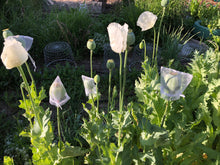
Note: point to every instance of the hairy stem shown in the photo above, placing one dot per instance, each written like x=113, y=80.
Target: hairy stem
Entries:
x=32, y=79
x=91, y=63
x=29, y=93
x=109, y=88
x=158, y=35
x=58, y=127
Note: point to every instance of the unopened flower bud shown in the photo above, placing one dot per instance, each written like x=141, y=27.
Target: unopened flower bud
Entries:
x=91, y=44
x=164, y=3
x=58, y=95
x=110, y=64
x=172, y=81
x=130, y=37
x=97, y=79
x=141, y=45
x=114, y=93
x=6, y=33
x=89, y=85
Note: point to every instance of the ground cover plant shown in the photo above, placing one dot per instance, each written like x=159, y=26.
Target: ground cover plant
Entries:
x=174, y=118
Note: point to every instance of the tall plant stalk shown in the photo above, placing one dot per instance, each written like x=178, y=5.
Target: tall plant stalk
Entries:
x=91, y=63
x=122, y=95
x=120, y=79
x=58, y=128
x=109, y=88
x=97, y=91
x=20, y=69
x=158, y=35
x=32, y=79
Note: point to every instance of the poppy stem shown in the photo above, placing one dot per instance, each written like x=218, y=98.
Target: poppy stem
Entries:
x=32, y=79
x=164, y=115
x=58, y=127
x=109, y=89
x=158, y=35
x=91, y=63
x=29, y=93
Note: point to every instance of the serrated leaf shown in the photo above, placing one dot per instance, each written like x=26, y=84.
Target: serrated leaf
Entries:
x=71, y=151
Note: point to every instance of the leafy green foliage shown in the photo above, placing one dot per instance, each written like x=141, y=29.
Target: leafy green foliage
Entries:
x=192, y=123
x=8, y=160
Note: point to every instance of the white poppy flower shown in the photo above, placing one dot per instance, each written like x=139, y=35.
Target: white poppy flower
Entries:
x=89, y=85
x=173, y=83
x=146, y=20
x=58, y=95
x=13, y=54
x=118, y=36
x=25, y=40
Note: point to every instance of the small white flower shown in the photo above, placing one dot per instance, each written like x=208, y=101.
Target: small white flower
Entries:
x=146, y=20
x=173, y=83
x=13, y=54
x=58, y=95
x=89, y=85
x=118, y=36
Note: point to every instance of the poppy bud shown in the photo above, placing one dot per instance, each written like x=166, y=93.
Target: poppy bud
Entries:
x=110, y=64
x=97, y=79
x=89, y=85
x=130, y=37
x=164, y=3
x=58, y=95
x=141, y=45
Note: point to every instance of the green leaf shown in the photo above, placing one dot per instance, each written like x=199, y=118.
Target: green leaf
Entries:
x=71, y=151
x=25, y=134
x=8, y=160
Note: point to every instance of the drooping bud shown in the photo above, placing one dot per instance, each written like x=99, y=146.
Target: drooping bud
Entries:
x=97, y=79
x=164, y=3
x=114, y=92
x=6, y=33
x=91, y=45
x=130, y=37
x=110, y=64
x=141, y=45
x=58, y=95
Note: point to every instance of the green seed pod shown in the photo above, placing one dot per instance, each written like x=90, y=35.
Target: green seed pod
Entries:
x=91, y=44
x=164, y=3
x=141, y=45
x=130, y=37
x=172, y=82
x=97, y=79
x=110, y=64
x=6, y=33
